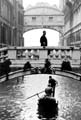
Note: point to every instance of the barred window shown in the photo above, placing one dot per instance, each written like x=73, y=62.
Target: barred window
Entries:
x=50, y=18
x=33, y=18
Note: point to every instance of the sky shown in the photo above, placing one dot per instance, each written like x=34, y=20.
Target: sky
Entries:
x=32, y=38
x=33, y=2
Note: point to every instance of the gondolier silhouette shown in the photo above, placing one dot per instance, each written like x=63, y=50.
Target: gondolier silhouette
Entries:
x=52, y=83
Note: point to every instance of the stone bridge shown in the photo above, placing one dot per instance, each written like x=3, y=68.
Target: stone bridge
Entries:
x=42, y=15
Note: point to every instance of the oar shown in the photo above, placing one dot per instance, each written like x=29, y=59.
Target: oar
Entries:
x=37, y=94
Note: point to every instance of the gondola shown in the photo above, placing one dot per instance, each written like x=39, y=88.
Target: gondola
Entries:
x=47, y=106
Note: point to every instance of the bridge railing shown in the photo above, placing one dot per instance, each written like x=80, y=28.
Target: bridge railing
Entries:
x=37, y=55
x=20, y=73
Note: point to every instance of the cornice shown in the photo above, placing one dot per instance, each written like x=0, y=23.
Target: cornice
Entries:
x=42, y=7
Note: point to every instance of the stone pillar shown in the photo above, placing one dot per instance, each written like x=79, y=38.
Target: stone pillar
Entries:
x=12, y=53
x=42, y=54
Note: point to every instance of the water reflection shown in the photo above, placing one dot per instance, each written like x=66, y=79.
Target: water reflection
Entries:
x=15, y=106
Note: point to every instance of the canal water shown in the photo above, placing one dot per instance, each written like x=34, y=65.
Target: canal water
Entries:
x=14, y=104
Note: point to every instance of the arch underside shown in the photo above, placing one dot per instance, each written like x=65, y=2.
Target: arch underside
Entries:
x=56, y=28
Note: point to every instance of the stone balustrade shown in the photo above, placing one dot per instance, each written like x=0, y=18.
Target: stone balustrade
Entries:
x=37, y=55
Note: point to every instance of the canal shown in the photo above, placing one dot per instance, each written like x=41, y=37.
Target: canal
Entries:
x=14, y=104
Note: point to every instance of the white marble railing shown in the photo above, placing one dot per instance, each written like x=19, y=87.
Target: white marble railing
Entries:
x=37, y=55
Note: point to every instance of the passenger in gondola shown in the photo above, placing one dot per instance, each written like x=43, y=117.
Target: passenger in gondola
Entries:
x=48, y=92
x=52, y=83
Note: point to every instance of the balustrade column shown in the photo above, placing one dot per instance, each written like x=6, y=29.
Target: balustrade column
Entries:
x=12, y=53
x=43, y=54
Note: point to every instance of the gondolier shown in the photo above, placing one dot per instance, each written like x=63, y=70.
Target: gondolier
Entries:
x=52, y=83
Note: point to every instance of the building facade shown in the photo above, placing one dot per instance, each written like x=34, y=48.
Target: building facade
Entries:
x=9, y=23
x=19, y=22
x=72, y=29
x=61, y=4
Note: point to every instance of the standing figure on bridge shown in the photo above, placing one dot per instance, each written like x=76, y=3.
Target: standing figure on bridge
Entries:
x=43, y=39
x=52, y=83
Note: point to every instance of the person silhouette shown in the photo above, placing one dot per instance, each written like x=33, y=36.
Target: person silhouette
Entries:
x=52, y=83
x=47, y=66
x=43, y=39
x=27, y=66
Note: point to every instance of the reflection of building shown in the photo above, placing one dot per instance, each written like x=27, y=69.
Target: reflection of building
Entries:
x=8, y=22
x=72, y=29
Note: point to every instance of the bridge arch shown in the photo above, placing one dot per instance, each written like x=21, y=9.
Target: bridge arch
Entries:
x=57, y=29
x=42, y=15
x=32, y=37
